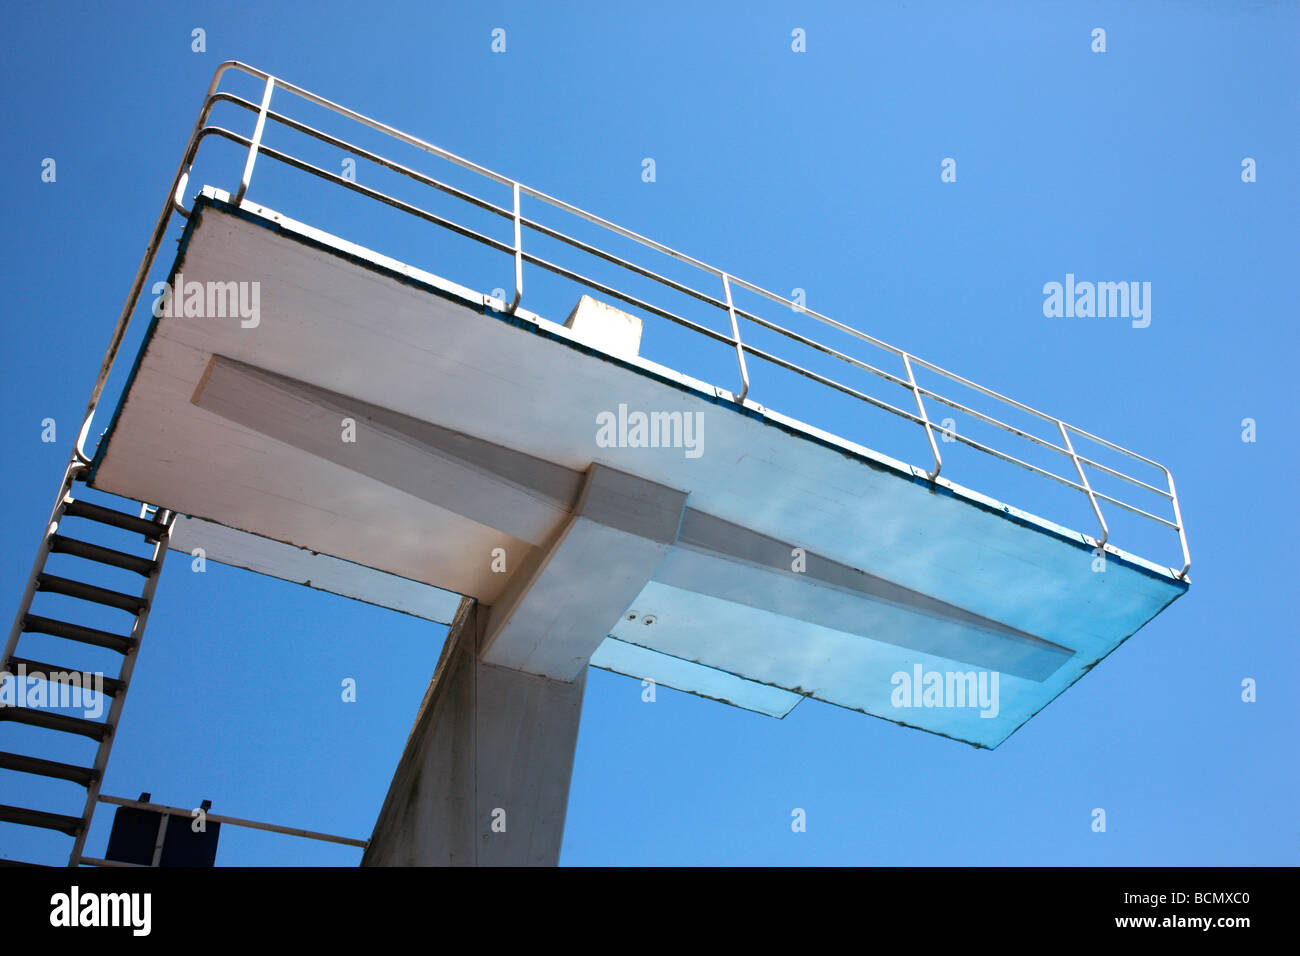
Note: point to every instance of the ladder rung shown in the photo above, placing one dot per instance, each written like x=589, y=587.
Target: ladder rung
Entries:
x=76, y=632
x=40, y=818
x=49, y=720
x=47, y=768
x=90, y=592
x=110, y=685
x=94, y=552
x=118, y=519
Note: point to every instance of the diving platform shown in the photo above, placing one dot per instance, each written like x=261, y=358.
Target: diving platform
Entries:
x=473, y=432
x=637, y=461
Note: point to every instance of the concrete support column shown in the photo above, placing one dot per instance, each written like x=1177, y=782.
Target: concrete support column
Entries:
x=485, y=775
x=484, y=778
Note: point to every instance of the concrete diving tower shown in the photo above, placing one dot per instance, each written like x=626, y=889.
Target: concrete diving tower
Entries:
x=388, y=434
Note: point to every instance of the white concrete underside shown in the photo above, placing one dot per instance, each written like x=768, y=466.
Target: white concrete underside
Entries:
x=357, y=330
x=322, y=572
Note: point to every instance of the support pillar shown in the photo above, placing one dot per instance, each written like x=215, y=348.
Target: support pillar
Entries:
x=485, y=775
x=484, y=778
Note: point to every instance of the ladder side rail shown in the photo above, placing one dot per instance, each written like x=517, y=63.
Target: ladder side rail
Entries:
x=165, y=520
x=42, y=553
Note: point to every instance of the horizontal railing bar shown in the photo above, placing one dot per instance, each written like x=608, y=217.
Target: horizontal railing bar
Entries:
x=364, y=190
x=1026, y=408
x=908, y=415
x=824, y=319
x=1136, y=510
x=1012, y=459
x=958, y=406
x=975, y=444
x=469, y=233
x=951, y=403
x=232, y=821
x=97, y=861
x=468, y=164
x=1129, y=478
x=953, y=376
x=364, y=120
x=626, y=297
x=221, y=96
x=838, y=386
x=1039, y=441
x=200, y=133
x=474, y=200
x=824, y=349
x=1113, y=447
x=624, y=263
x=396, y=167
x=619, y=230
x=928, y=365
x=387, y=200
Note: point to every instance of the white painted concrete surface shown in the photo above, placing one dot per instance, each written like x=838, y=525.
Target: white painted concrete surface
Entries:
x=484, y=778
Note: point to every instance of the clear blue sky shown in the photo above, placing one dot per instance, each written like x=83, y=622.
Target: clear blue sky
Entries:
x=818, y=170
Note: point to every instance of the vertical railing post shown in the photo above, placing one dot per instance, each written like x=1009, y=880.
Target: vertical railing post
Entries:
x=161, y=838
x=735, y=335
x=925, y=419
x=1178, y=520
x=178, y=196
x=1083, y=479
x=519, y=256
x=256, y=142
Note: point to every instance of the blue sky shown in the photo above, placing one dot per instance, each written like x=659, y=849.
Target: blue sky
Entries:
x=817, y=170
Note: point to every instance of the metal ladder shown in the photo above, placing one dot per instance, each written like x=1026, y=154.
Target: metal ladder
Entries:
x=155, y=531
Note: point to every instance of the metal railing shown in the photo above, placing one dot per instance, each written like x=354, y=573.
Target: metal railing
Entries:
x=727, y=283
x=166, y=812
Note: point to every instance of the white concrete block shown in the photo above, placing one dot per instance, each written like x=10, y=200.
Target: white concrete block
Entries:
x=604, y=327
